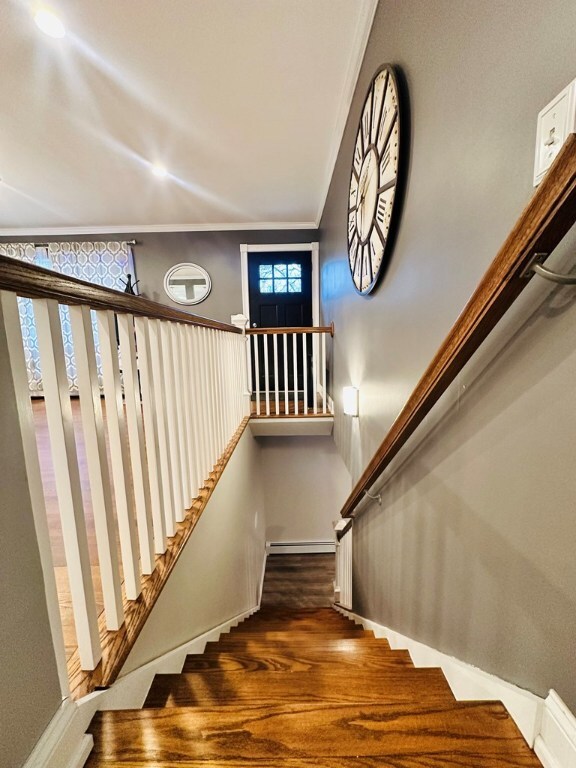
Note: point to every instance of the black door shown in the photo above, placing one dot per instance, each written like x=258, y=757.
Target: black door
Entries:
x=280, y=289
x=280, y=294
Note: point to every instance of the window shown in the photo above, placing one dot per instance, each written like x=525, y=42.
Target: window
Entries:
x=280, y=278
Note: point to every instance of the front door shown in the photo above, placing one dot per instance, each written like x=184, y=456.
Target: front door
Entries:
x=280, y=289
x=280, y=294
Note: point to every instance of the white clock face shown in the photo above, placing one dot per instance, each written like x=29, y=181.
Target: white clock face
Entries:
x=373, y=180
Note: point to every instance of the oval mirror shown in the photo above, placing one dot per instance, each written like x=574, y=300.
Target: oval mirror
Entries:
x=187, y=283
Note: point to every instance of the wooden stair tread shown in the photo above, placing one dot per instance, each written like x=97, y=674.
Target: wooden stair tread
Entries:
x=464, y=734
x=312, y=641
x=379, y=687
x=441, y=760
x=293, y=636
x=300, y=659
x=295, y=626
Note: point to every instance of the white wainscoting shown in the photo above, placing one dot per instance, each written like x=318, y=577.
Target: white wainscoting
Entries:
x=300, y=547
x=556, y=743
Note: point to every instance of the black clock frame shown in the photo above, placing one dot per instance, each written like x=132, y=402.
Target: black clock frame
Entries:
x=403, y=119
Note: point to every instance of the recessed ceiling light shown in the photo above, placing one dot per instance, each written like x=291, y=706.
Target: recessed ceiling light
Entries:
x=49, y=23
x=159, y=170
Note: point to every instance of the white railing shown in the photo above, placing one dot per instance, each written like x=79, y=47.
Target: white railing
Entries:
x=287, y=371
x=174, y=396
x=343, y=577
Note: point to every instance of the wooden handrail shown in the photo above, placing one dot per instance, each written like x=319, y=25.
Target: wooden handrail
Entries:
x=541, y=226
x=311, y=329
x=31, y=281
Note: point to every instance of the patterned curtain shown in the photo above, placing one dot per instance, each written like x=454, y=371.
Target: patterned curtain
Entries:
x=106, y=264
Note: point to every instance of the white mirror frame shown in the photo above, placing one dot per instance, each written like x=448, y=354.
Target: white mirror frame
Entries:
x=171, y=272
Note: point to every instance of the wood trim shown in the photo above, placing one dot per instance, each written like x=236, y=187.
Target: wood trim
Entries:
x=31, y=281
x=541, y=226
x=116, y=645
x=313, y=329
x=341, y=533
x=309, y=415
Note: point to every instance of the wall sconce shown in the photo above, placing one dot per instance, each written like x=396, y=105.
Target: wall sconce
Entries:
x=350, y=401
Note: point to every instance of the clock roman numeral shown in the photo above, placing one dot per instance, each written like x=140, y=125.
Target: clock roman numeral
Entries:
x=378, y=101
x=381, y=210
x=353, y=253
x=357, y=156
x=367, y=121
x=351, y=225
x=385, y=162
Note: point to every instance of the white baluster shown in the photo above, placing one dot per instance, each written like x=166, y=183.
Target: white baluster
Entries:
x=156, y=359
x=119, y=455
x=150, y=433
x=97, y=464
x=257, y=372
x=285, y=351
x=138, y=462
x=305, y=374
x=276, y=383
x=295, y=370
x=199, y=415
x=188, y=421
x=10, y=320
x=325, y=394
x=172, y=419
x=180, y=416
x=266, y=373
x=315, y=372
x=209, y=385
x=67, y=478
x=219, y=395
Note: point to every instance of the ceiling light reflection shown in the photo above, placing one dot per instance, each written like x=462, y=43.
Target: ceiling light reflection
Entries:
x=159, y=170
x=49, y=23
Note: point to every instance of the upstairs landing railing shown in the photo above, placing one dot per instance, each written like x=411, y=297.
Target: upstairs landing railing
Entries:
x=288, y=370
x=173, y=407
x=542, y=225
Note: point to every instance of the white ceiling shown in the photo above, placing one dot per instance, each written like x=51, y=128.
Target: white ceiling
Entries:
x=244, y=102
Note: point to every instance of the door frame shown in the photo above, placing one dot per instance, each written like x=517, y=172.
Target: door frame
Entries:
x=313, y=249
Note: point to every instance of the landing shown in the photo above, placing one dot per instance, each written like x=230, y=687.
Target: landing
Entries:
x=299, y=581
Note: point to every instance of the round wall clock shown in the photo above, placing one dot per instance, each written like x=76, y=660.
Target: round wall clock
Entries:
x=374, y=180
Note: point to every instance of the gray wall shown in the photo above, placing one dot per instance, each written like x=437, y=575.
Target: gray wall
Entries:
x=218, y=574
x=29, y=686
x=305, y=483
x=217, y=252
x=471, y=552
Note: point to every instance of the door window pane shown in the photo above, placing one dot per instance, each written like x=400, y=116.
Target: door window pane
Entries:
x=294, y=270
x=280, y=278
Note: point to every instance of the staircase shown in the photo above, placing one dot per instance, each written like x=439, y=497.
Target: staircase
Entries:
x=305, y=687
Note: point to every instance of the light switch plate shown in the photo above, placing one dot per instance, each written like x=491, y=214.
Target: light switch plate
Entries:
x=555, y=122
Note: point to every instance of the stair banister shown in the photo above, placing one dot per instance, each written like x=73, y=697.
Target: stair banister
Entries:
x=174, y=389
x=546, y=219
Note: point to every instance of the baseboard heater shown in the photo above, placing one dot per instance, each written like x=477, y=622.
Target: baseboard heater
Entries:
x=300, y=547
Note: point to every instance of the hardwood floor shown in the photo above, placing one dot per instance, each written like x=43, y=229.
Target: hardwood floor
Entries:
x=319, y=700
x=299, y=581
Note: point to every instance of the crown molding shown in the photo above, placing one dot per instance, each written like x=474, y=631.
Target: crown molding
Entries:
x=116, y=229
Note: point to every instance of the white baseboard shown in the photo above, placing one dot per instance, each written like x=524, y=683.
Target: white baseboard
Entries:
x=130, y=691
x=556, y=743
x=65, y=744
x=300, y=547
x=62, y=745
x=468, y=682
